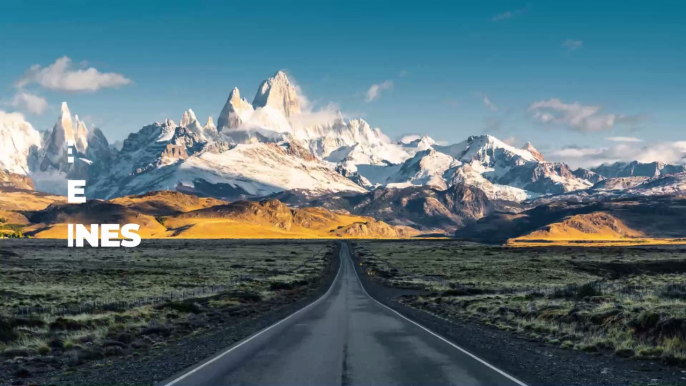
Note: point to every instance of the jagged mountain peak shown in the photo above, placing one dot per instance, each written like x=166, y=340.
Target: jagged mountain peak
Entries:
x=531, y=149
x=64, y=111
x=638, y=169
x=190, y=122
x=278, y=92
x=210, y=123
x=187, y=118
x=236, y=111
x=488, y=151
x=17, y=139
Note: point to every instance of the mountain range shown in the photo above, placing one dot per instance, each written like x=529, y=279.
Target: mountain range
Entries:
x=275, y=147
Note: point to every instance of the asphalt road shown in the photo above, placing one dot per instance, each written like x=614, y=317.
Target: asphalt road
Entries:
x=344, y=338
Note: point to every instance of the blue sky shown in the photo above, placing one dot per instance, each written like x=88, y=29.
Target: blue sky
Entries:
x=599, y=69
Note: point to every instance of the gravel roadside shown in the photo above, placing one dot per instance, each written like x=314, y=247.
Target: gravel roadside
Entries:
x=161, y=363
x=533, y=362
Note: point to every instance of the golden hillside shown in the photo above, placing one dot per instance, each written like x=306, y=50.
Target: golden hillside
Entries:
x=172, y=214
x=166, y=202
x=640, y=220
x=22, y=200
x=592, y=226
x=273, y=219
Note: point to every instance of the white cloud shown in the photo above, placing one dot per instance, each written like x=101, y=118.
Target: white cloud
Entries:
x=60, y=76
x=667, y=152
x=512, y=141
x=34, y=104
x=576, y=116
x=309, y=115
x=572, y=45
x=375, y=90
x=490, y=104
x=508, y=15
x=407, y=138
x=624, y=139
x=322, y=116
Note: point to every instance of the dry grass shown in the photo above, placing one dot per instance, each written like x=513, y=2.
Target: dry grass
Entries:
x=42, y=273
x=25, y=200
x=625, y=301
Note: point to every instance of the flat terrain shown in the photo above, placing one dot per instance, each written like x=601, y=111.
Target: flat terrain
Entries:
x=69, y=309
x=344, y=338
x=609, y=301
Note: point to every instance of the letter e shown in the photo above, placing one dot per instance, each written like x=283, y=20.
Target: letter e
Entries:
x=108, y=232
x=74, y=188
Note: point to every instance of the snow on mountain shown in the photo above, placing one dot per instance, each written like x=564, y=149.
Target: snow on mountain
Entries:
x=470, y=177
x=638, y=169
x=191, y=123
x=361, y=155
x=427, y=167
x=267, y=122
x=502, y=164
x=66, y=129
x=275, y=116
x=415, y=143
x=409, y=138
x=236, y=111
x=273, y=144
x=49, y=168
x=670, y=184
x=544, y=178
x=18, y=142
x=166, y=156
x=620, y=183
x=487, y=153
x=588, y=175
x=278, y=93
x=239, y=171
x=531, y=149
x=210, y=126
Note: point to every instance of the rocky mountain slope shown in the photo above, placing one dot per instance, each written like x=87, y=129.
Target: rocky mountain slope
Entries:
x=243, y=155
x=174, y=214
x=647, y=217
x=425, y=208
x=13, y=180
x=638, y=169
x=276, y=144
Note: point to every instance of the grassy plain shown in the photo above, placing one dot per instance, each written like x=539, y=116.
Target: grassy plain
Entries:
x=125, y=293
x=626, y=301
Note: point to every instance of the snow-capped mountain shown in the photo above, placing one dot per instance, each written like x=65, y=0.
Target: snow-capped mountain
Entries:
x=426, y=167
x=274, y=144
x=19, y=143
x=166, y=156
x=66, y=129
x=279, y=94
x=236, y=111
x=531, y=149
x=638, y=169
x=50, y=169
